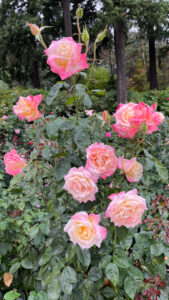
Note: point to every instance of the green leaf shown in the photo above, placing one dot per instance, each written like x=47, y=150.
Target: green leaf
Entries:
x=122, y=261
x=45, y=258
x=87, y=101
x=135, y=273
x=14, y=267
x=105, y=260
x=54, y=290
x=94, y=274
x=162, y=171
x=26, y=263
x=70, y=253
x=112, y=273
x=54, y=91
x=12, y=295
x=130, y=287
x=83, y=256
x=61, y=169
x=2, y=226
x=157, y=249
x=71, y=100
x=34, y=231
x=69, y=275
x=99, y=92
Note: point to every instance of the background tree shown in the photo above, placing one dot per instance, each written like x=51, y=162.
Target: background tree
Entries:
x=152, y=18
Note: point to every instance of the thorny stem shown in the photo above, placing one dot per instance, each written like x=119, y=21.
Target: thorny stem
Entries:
x=79, y=31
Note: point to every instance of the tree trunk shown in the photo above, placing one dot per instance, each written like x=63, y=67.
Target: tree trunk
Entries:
x=152, y=62
x=67, y=17
x=36, y=80
x=119, y=39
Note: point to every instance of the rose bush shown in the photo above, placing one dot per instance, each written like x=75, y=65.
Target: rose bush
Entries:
x=60, y=236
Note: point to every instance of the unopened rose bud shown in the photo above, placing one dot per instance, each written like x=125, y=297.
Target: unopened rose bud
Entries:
x=35, y=30
x=85, y=35
x=79, y=12
x=106, y=116
x=101, y=35
x=165, y=258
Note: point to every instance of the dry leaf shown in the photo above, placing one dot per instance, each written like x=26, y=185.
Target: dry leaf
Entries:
x=8, y=278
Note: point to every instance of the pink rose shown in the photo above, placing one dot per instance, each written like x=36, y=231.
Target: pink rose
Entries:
x=132, y=169
x=108, y=134
x=14, y=164
x=4, y=117
x=131, y=118
x=123, y=115
x=81, y=184
x=167, y=98
x=144, y=114
x=126, y=209
x=101, y=160
x=65, y=58
x=17, y=131
x=83, y=229
x=27, y=108
x=89, y=112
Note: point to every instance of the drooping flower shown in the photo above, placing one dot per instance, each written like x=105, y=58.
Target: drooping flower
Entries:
x=65, y=58
x=27, y=108
x=83, y=229
x=81, y=184
x=14, y=164
x=101, y=160
x=89, y=112
x=126, y=209
x=132, y=169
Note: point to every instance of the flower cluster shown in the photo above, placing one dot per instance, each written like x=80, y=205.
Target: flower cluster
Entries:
x=125, y=209
x=132, y=118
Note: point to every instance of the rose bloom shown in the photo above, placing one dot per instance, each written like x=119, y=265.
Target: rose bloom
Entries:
x=108, y=134
x=83, y=229
x=17, y=131
x=126, y=209
x=144, y=114
x=14, y=164
x=101, y=160
x=131, y=117
x=132, y=169
x=81, y=184
x=123, y=115
x=4, y=117
x=65, y=58
x=27, y=108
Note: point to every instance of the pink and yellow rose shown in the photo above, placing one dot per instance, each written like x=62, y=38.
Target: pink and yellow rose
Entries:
x=101, y=160
x=81, y=184
x=132, y=169
x=27, y=108
x=84, y=230
x=131, y=117
x=14, y=164
x=126, y=209
x=65, y=58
